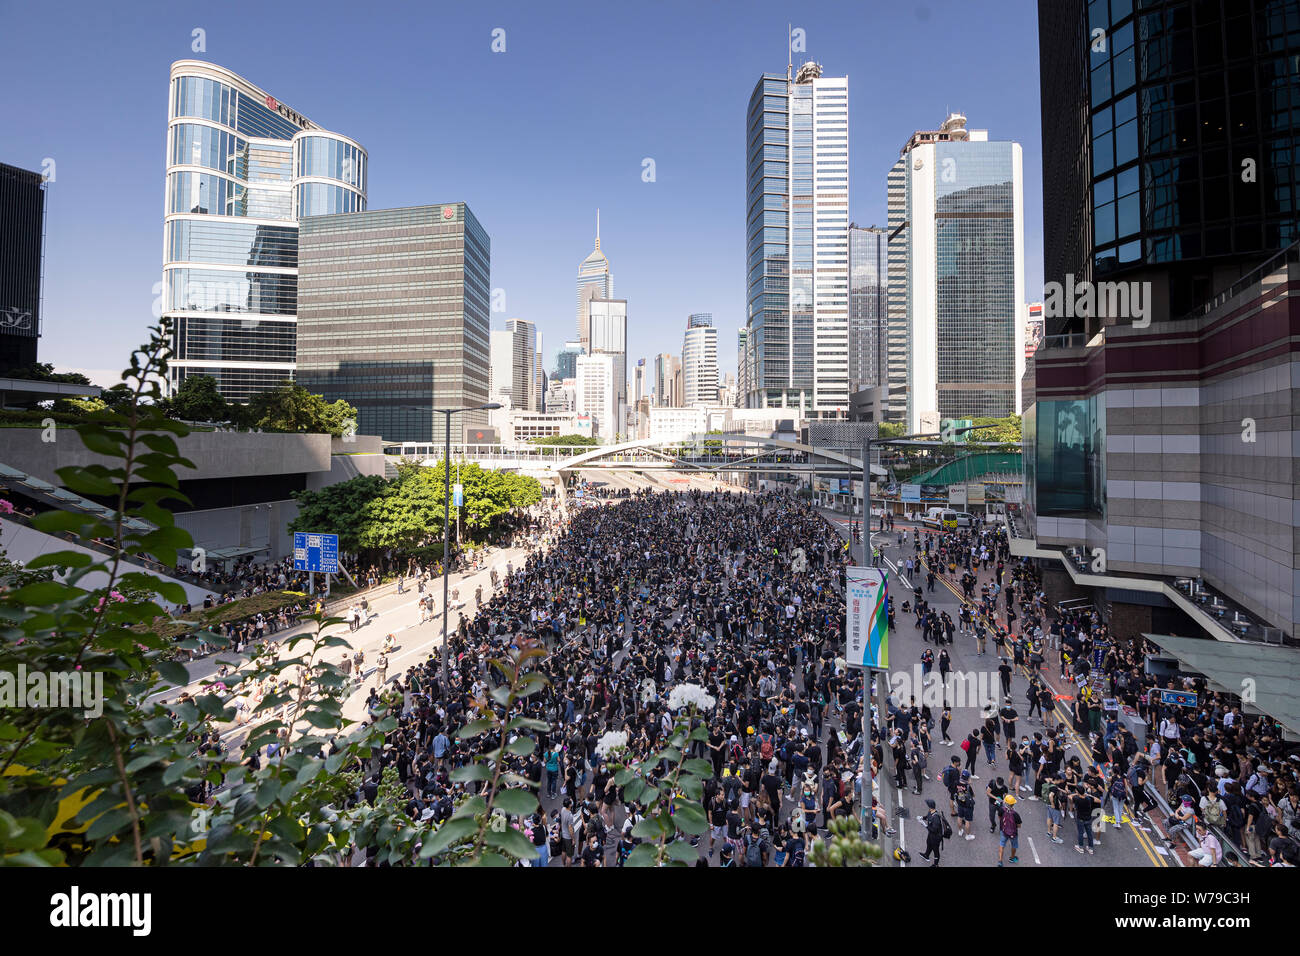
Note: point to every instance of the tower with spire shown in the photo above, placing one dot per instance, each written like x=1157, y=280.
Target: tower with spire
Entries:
x=595, y=281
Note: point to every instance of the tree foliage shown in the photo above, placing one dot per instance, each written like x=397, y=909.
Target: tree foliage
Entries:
x=291, y=408
x=198, y=400
x=121, y=786
x=567, y=440
x=407, y=512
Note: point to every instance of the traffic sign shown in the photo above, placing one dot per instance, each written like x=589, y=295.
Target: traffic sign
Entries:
x=315, y=552
x=1179, y=698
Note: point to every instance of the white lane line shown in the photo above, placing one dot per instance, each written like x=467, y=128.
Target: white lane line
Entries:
x=1034, y=850
x=902, y=831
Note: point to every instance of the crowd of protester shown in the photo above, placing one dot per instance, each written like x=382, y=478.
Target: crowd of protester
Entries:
x=742, y=595
x=1219, y=770
x=737, y=594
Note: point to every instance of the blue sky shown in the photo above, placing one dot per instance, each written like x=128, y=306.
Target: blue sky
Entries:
x=534, y=139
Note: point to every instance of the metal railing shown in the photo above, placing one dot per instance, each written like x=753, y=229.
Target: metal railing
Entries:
x=1288, y=256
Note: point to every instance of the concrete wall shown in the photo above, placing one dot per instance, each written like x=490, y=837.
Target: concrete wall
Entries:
x=24, y=544
x=215, y=454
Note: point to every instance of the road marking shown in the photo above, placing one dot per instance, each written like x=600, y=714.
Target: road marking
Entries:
x=1034, y=850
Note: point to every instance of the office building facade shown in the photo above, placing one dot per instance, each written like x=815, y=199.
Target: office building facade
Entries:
x=607, y=328
x=797, y=284
x=956, y=213
x=700, y=361
x=1160, y=449
x=868, y=306
x=526, y=388
x=595, y=394
x=22, y=236
x=394, y=316
x=242, y=170
x=1170, y=136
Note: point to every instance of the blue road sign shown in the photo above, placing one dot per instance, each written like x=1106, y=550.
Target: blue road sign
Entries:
x=315, y=552
x=1178, y=698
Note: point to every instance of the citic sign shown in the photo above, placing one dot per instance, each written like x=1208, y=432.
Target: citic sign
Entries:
x=293, y=117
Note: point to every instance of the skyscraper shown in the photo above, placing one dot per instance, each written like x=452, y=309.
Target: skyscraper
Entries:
x=607, y=328
x=525, y=371
x=700, y=361
x=393, y=315
x=595, y=281
x=666, y=373
x=566, y=360
x=22, y=228
x=595, y=394
x=868, y=304
x=242, y=170
x=797, y=242
x=1160, y=439
x=956, y=217
x=1169, y=145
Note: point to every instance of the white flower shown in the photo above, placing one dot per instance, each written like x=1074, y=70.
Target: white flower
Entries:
x=683, y=695
x=613, y=740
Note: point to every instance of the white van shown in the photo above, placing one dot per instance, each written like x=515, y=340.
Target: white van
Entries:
x=941, y=518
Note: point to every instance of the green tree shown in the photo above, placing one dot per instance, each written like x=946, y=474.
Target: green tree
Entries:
x=892, y=430
x=567, y=440
x=291, y=408
x=44, y=372
x=996, y=429
x=198, y=400
x=340, y=509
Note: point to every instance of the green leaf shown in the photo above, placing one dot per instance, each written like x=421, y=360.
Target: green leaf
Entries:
x=108, y=823
x=471, y=771
x=172, y=672
x=682, y=851
x=701, y=768
x=516, y=802
x=689, y=817
x=473, y=728
x=44, y=592
x=511, y=841
x=452, y=833
x=522, y=746
x=643, y=855
x=651, y=828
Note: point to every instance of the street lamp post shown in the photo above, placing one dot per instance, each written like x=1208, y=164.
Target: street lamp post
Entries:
x=880, y=675
x=446, y=523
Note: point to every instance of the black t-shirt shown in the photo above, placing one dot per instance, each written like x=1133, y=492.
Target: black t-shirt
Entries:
x=996, y=792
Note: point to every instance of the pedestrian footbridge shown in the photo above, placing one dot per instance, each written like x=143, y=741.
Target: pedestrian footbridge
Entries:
x=712, y=452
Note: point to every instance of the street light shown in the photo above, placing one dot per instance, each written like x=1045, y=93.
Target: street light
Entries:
x=869, y=791
x=446, y=522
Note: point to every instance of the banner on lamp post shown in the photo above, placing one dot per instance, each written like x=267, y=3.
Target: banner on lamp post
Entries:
x=867, y=625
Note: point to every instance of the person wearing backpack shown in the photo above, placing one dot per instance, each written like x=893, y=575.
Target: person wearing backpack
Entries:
x=1010, y=827
x=918, y=761
x=1213, y=812
x=965, y=807
x=952, y=775
x=755, y=848
x=934, y=826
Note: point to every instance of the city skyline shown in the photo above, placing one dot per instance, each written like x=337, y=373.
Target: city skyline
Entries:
x=536, y=239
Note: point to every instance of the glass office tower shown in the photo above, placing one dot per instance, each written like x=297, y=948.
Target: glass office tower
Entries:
x=394, y=316
x=22, y=230
x=242, y=168
x=868, y=303
x=797, y=163
x=1170, y=136
x=595, y=281
x=956, y=276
